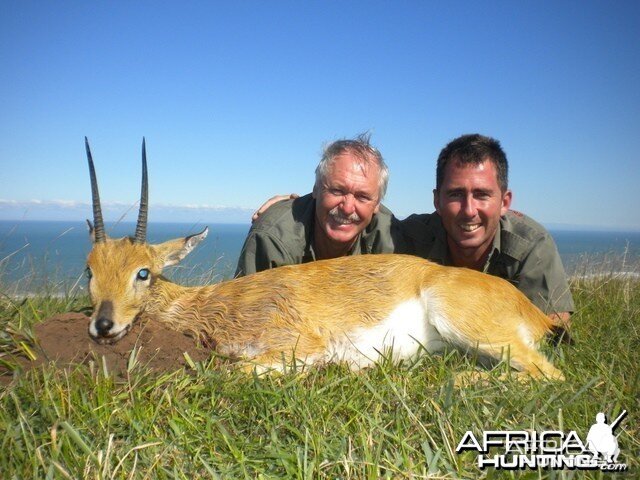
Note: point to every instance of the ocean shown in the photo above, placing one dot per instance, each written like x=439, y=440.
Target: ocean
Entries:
x=35, y=254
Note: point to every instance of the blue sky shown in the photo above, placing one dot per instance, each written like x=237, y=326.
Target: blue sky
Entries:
x=236, y=100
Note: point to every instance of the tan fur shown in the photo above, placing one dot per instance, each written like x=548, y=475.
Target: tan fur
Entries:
x=301, y=310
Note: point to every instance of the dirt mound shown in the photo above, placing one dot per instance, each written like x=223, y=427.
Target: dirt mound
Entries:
x=64, y=339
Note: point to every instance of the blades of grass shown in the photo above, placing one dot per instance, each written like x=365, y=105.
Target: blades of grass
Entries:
x=106, y=463
x=189, y=360
x=27, y=351
x=133, y=450
x=238, y=455
x=105, y=368
x=34, y=311
x=132, y=361
x=25, y=426
x=208, y=467
x=79, y=441
x=61, y=470
x=587, y=386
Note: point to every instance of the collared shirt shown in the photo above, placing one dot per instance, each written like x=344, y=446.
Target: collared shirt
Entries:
x=283, y=235
x=523, y=253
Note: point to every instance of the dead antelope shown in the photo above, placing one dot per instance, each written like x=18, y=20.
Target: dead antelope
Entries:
x=355, y=309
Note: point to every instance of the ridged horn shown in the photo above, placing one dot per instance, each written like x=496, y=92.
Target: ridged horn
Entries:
x=98, y=223
x=141, y=226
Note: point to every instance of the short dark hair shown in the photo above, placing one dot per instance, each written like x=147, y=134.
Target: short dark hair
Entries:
x=474, y=149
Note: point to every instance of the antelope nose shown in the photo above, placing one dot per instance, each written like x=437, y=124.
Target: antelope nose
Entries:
x=103, y=326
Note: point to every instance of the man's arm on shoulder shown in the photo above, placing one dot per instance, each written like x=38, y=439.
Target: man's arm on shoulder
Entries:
x=272, y=201
x=260, y=252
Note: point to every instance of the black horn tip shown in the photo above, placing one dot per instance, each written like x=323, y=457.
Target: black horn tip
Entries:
x=141, y=226
x=87, y=147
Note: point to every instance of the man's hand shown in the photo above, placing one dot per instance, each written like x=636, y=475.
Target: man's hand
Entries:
x=272, y=201
x=560, y=319
x=560, y=330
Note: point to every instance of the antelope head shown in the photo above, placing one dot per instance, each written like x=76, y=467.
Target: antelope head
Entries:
x=122, y=271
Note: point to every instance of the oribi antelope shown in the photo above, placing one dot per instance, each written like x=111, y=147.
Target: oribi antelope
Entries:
x=356, y=309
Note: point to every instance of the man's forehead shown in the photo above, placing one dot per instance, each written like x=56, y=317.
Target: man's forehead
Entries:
x=351, y=163
x=354, y=160
x=457, y=162
x=485, y=172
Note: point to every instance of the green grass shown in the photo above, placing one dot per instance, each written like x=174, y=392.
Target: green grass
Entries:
x=391, y=421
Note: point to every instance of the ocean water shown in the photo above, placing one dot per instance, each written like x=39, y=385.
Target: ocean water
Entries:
x=38, y=253
x=604, y=251
x=34, y=254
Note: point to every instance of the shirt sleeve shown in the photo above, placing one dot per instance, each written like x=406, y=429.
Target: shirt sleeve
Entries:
x=543, y=280
x=261, y=252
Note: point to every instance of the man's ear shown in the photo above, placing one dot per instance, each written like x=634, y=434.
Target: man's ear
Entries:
x=507, y=197
x=436, y=200
x=173, y=251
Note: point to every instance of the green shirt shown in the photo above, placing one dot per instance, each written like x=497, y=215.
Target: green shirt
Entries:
x=523, y=253
x=283, y=235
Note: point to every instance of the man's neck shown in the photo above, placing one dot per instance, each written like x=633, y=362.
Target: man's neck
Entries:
x=473, y=258
x=324, y=248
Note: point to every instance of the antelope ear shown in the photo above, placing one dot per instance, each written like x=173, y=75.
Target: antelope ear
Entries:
x=92, y=231
x=173, y=251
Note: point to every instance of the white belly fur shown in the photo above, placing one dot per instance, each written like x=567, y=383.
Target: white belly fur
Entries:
x=403, y=334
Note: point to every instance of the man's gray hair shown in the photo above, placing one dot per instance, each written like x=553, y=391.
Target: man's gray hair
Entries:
x=366, y=154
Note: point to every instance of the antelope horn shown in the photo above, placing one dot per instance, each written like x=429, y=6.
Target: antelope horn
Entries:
x=99, y=235
x=141, y=226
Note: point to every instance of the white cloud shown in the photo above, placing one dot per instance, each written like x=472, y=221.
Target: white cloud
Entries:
x=34, y=203
x=37, y=209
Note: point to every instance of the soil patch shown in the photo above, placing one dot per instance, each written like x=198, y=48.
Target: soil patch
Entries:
x=64, y=339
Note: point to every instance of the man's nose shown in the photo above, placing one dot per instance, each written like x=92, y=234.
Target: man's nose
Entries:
x=469, y=206
x=348, y=204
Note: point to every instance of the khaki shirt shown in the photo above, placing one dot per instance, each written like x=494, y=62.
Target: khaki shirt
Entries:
x=283, y=235
x=523, y=253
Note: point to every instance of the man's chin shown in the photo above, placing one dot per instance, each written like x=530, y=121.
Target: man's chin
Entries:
x=470, y=241
x=342, y=233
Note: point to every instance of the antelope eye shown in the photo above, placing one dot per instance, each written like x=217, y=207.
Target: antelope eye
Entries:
x=88, y=273
x=143, y=274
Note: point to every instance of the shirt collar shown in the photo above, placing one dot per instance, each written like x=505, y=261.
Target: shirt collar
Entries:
x=495, y=249
x=440, y=250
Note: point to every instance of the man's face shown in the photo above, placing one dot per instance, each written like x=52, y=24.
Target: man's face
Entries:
x=470, y=204
x=347, y=199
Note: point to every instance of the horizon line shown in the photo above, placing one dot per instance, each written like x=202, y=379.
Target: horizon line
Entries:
x=551, y=226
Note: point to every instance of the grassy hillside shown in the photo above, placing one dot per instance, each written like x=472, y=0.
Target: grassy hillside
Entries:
x=387, y=422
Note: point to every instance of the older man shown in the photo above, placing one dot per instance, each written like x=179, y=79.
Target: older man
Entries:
x=342, y=216
x=474, y=228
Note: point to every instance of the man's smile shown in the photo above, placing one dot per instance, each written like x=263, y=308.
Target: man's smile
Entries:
x=469, y=227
